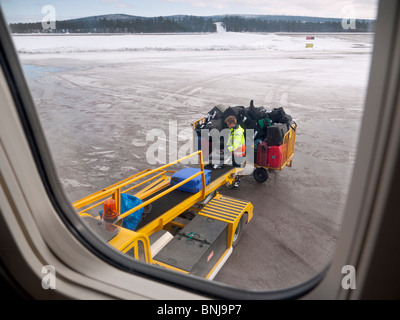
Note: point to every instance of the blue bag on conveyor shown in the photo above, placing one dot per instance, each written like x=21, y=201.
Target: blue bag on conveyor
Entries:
x=129, y=202
x=194, y=185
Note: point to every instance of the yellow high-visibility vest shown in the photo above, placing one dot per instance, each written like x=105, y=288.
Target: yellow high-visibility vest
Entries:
x=237, y=141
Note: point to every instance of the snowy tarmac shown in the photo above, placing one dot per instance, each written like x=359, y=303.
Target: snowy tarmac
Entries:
x=99, y=95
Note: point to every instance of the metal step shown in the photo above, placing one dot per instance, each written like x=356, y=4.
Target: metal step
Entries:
x=224, y=208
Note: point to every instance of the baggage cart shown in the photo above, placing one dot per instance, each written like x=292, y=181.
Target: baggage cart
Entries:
x=279, y=156
x=282, y=159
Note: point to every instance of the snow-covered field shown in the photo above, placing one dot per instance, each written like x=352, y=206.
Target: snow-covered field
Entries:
x=67, y=43
x=99, y=96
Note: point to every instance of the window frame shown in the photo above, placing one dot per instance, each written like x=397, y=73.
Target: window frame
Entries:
x=41, y=227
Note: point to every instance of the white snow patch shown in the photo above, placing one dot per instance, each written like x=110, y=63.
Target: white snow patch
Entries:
x=101, y=168
x=73, y=183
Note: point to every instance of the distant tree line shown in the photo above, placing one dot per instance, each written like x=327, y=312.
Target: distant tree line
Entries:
x=240, y=24
x=138, y=25
x=189, y=24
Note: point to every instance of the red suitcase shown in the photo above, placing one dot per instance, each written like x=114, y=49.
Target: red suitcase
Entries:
x=275, y=156
x=262, y=154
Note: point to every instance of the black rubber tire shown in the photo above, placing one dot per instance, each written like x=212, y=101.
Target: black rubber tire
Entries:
x=239, y=231
x=260, y=175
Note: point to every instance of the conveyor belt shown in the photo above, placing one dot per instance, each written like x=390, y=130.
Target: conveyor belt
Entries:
x=174, y=198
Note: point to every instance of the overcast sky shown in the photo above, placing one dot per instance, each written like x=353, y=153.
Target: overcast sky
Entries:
x=31, y=10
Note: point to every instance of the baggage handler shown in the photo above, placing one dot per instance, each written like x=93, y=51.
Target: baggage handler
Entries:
x=236, y=144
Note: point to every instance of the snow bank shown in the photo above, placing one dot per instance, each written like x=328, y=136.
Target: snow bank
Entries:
x=77, y=43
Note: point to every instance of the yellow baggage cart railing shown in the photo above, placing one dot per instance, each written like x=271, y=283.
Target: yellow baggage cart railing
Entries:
x=260, y=173
x=127, y=240
x=288, y=144
x=198, y=123
x=114, y=191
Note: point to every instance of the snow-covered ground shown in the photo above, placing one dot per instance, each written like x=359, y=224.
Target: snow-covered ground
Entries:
x=68, y=43
x=98, y=96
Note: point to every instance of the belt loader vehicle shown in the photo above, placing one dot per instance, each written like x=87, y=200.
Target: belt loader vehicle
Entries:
x=190, y=232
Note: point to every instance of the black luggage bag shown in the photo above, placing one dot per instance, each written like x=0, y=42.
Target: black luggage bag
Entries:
x=216, y=112
x=276, y=133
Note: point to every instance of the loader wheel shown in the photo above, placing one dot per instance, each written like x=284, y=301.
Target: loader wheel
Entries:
x=238, y=231
x=260, y=175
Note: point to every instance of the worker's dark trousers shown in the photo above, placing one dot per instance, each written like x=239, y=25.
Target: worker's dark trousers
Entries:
x=237, y=161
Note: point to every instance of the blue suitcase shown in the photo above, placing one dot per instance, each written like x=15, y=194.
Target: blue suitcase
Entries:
x=193, y=186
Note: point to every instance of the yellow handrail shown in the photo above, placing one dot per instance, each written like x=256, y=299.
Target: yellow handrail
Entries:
x=146, y=247
x=110, y=192
x=200, y=121
x=201, y=172
x=292, y=141
x=106, y=191
x=116, y=189
x=289, y=142
x=124, y=215
x=113, y=190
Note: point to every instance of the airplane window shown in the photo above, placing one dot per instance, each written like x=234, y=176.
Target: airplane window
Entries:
x=125, y=93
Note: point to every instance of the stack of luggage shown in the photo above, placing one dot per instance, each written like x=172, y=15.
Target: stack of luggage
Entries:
x=269, y=125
